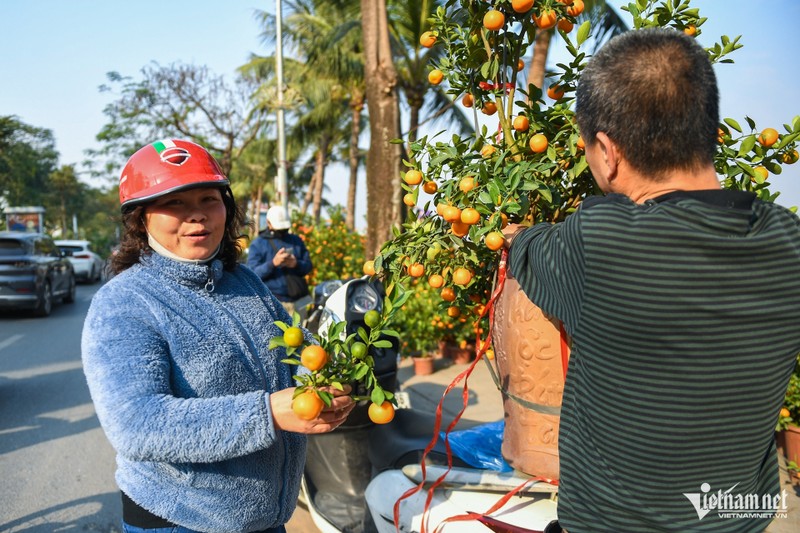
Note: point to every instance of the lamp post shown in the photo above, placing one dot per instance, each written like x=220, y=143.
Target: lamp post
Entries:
x=281, y=184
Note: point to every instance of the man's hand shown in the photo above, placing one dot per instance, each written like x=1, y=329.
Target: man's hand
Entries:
x=510, y=231
x=284, y=258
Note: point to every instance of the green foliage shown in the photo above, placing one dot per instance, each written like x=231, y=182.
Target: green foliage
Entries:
x=336, y=252
x=513, y=181
x=27, y=157
x=422, y=324
x=791, y=401
x=347, y=363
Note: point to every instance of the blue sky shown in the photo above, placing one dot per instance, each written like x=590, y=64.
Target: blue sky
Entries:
x=55, y=54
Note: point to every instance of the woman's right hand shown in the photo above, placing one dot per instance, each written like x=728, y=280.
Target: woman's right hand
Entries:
x=329, y=419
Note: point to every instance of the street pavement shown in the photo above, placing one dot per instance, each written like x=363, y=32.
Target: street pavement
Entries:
x=485, y=404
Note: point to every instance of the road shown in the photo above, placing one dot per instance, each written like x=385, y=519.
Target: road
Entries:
x=56, y=464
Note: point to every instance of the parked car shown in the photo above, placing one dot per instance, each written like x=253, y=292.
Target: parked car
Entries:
x=87, y=264
x=33, y=273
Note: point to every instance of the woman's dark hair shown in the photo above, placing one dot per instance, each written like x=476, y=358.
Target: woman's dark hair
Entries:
x=133, y=243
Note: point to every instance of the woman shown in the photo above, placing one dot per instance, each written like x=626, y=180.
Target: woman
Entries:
x=175, y=351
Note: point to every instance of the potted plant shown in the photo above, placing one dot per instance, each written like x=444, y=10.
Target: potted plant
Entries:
x=527, y=163
x=419, y=330
x=788, y=427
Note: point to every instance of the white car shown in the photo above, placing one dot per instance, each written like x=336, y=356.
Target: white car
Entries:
x=88, y=265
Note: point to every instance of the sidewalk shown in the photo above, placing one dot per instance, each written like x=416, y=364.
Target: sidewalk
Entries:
x=485, y=404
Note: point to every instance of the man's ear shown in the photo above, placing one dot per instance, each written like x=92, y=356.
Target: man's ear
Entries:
x=610, y=153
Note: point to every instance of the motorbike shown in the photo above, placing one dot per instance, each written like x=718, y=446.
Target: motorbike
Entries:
x=354, y=474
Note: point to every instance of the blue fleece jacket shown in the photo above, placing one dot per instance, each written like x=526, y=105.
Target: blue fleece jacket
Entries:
x=261, y=253
x=180, y=377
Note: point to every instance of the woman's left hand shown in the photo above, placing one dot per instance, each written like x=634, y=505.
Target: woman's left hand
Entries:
x=329, y=419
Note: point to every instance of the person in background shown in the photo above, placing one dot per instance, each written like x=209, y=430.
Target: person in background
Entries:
x=682, y=301
x=176, y=354
x=280, y=259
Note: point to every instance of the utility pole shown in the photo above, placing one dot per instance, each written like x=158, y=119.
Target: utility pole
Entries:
x=281, y=183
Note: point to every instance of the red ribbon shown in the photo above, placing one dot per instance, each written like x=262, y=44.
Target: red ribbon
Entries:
x=481, y=347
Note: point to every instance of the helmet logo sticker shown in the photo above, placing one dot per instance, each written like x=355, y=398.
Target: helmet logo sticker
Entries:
x=171, y=154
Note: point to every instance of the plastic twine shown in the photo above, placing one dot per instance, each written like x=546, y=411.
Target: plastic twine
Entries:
x=481, y=348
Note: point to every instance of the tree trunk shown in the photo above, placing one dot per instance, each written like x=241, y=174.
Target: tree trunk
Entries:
x=415, y=101
x=319, y=180
x=350, y=216
x=541, y=47
x=309, y=194
x=383, y=159
x=255, y=210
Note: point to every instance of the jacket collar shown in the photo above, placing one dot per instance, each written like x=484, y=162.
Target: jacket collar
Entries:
x=190, y=274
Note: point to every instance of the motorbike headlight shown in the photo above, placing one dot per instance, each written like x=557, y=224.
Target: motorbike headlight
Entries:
x=364, y=298
x=329, y=287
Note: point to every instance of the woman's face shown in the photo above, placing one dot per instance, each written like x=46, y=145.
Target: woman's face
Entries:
x=190, y=223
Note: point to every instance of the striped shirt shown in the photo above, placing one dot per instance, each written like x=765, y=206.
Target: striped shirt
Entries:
x=683, y=313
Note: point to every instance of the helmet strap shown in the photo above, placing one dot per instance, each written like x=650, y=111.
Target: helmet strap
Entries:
x=162, y=251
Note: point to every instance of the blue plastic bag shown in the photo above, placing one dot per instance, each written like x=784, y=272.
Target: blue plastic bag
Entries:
x=479, y=446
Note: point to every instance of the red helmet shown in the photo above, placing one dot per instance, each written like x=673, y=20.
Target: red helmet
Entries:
x=165, y=167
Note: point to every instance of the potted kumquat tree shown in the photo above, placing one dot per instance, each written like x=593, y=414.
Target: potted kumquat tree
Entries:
x=788, y=427
x=526, y=163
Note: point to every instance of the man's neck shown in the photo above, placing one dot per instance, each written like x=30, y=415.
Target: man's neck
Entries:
x=640, y=189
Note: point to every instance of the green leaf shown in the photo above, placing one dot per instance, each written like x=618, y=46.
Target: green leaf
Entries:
x=747, y=145
x=276, y=342
x=283, y=326
x=486, y=69
x=377, y=396
x=326, y=397
x=733, y=124
x=580, y=166
x=290, y=361
x=773, y=167
x=361, y=371
x=583, y=32
x=382, y=344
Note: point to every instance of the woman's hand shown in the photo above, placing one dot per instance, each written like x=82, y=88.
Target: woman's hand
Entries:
x=330, y=418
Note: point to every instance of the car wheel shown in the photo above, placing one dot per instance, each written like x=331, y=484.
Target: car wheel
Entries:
x=69, y=298
x=45, y=305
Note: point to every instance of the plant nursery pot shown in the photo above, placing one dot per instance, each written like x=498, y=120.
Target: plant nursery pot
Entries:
x=528, y=351
x=423, y=366
x=443, y=351
x=791, y=444
x=462, y=356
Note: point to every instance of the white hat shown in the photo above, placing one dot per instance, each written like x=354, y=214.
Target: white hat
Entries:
x=278, y=218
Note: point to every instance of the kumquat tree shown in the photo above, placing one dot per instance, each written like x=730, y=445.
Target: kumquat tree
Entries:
x=526, y=163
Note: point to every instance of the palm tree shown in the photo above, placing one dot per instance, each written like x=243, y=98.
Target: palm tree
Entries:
x=339, y=54
x=408, y=20
x=330, y=78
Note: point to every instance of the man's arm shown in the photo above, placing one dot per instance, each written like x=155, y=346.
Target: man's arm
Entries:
x=259, y=258
x=547, y=261
x=304, y=265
